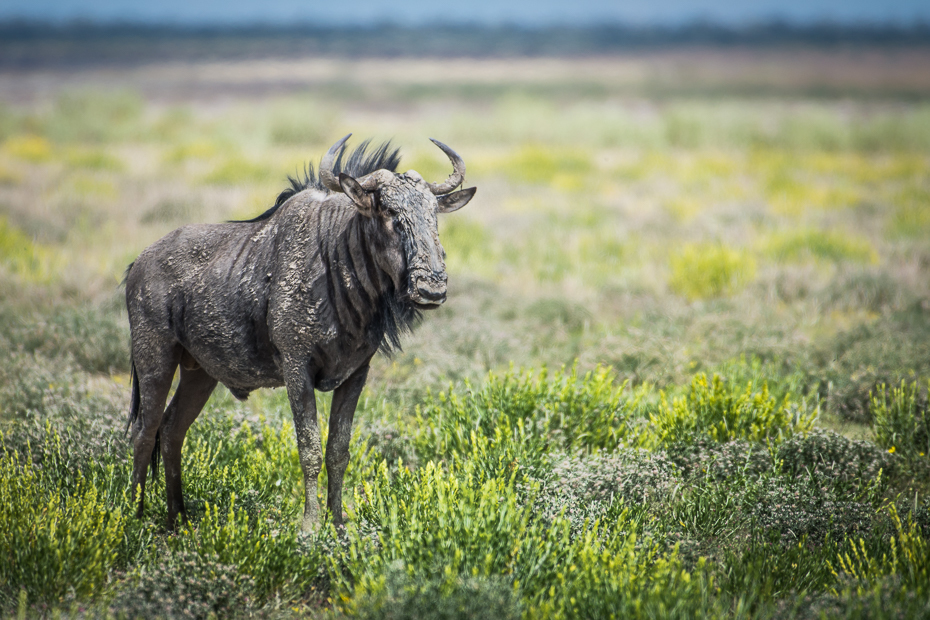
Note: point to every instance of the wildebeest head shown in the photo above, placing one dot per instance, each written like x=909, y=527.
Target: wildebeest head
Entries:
x=401, y=221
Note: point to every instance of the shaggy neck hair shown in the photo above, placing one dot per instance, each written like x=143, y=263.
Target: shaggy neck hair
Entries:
x=395, y=317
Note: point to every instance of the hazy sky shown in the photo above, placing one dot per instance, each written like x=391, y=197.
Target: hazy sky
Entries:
x=493, y=12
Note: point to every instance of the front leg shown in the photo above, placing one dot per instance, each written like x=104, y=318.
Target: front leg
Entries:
x=303, y=406
x=345, y=399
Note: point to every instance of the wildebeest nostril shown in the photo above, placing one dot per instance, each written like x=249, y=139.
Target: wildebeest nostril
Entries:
x=431, y=294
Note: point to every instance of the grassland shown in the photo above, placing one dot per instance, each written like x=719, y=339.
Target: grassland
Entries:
x=731, y=270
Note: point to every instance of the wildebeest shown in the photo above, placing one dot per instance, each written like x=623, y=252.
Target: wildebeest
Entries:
x=302, y=296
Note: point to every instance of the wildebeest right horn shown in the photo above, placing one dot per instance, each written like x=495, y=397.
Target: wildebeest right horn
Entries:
x=455, y=179
x=327, y=177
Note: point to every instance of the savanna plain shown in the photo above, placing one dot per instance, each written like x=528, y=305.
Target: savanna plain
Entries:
x=682, y=370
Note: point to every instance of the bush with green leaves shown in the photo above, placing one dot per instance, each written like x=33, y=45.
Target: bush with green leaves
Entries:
x=563, y=411
x=802, y=511
x=721, y=411
x=709, y=460
x=277, y=559
x=440, y=597
x=184, y=586
x=631, y=475
x=529, y=495
x=456, y=522
x=907, y=560
x=90, y=338
x=710, y=270
x=841, y=462
x=582, y=487
x=885, y=351
x=901, y=419
x=392, y=444
x=59, y=536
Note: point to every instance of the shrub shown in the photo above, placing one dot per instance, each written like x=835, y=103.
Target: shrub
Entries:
x=720, y=411
x=301, y=125
x=883, y=351
x=276, y=558
x=391, y=444
x=58, y=419
x=434, y=520
x=801, y=511
x=901, y=420
x=823, y=245
x=93, y=338
x=226, y=456
x=582, y=488
x=874, y=290
x=825, y=455
x=30, y=382
x=615, y=575
x=184, y=585
x=709, y=270
x=783, y=377
x=908, y=560
x=458, y=523
x=730, y=461
x=766, y=571
x=469, y=245
x=23, y=257
x=55, y=539
x=631, y=475
x=562, y=412
x=34, y=149
x=171, y=211
x=911, y=218
x=886, y=599
x=401, y=597
x=184, y=151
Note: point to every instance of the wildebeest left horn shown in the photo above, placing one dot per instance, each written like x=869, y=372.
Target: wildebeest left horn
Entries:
x=327, y=177
x=455, y=179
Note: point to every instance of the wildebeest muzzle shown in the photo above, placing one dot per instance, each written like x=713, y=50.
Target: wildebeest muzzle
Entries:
x=428, y=288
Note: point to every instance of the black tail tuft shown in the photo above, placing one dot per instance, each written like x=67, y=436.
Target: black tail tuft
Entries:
x=156, y=451
x=135, y=399
x=134, y=403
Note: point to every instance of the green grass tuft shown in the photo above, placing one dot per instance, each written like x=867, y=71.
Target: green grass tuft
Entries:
x=704, y=271
x=801, y=245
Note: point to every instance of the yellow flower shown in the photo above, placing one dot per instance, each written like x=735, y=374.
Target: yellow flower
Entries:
x=891, y=450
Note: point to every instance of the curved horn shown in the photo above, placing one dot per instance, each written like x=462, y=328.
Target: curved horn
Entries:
x=458, y=175
x=327, y=177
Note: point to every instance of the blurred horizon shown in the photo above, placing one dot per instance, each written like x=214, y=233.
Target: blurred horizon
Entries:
x=480, y=13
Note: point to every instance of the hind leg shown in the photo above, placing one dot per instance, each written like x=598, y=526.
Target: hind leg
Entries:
x=155, y=366
x=193, y=391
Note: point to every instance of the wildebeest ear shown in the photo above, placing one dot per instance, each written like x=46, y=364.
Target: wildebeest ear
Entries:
x=455, y=200
x=364, y=201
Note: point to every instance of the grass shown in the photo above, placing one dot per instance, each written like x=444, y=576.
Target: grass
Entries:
x=710, y=270
x=733, y=289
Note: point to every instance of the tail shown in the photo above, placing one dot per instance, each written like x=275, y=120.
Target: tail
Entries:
x=134, y=406
x=135, y=399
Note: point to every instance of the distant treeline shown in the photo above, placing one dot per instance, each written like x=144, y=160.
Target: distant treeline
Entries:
x=28, y=45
